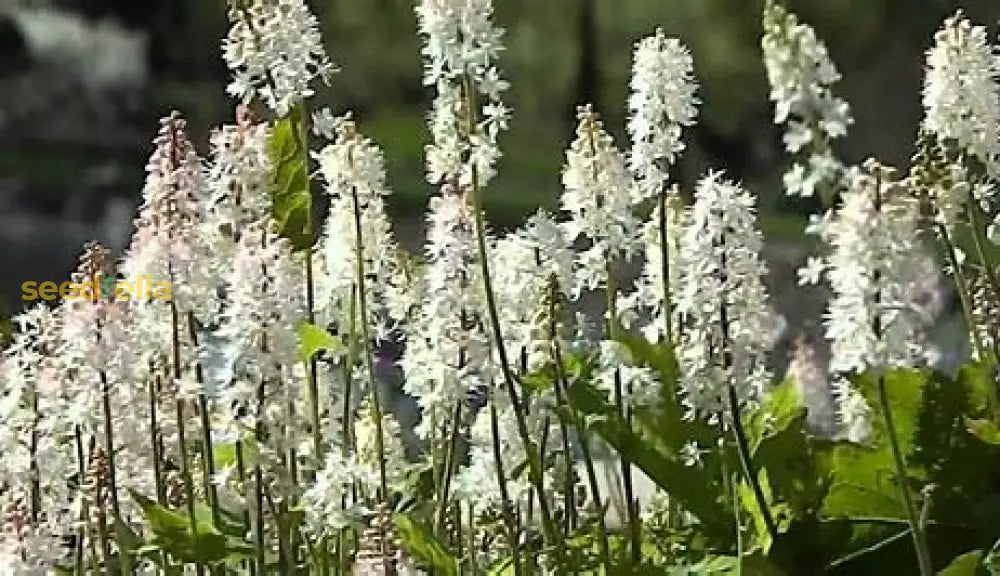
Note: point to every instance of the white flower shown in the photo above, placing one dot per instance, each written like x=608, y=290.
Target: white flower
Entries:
x=812, y=272
x=324, y=499
x=169, y=243
x=728, y=324
x=459, y=43
x=448, y=353
x=265, y=305
x=638, y=385
x=459, y=38
x=648, y=298
x=275, y=51
x=876, y=269
x=691, y=454
x=526, y=263
x=366, y=438
x=324, y=123
x=661, y=104
x=354, y=170
x=853, y=412
x=962, y=90
x=596, y=197
x=801, y=75
x=477, y=483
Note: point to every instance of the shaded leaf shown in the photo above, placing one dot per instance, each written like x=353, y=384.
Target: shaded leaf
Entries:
x=985, y=430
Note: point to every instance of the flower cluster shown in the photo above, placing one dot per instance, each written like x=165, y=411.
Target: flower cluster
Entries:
x=275, y=52
x=729, y=326
x=460, y=48
x=662, y=104
x=801, y=75
x=961, y=94
x=596, y=199
x=248, y=423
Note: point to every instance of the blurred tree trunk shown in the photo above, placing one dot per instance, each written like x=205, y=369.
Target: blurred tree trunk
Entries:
x=588, y=79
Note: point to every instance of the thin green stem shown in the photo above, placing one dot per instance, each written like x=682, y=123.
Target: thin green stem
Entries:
x=534, y=466
x=154, y=435
x=208, y=452
x=919, y=541
x=962, y=286
x=241, y=476
x=742, y=446
x=258, y=525
x=449, y=466
x=313, y=374
x=561, y=385
x=83, y=528
x=36, y=488
x=360, y=280
x=505, y=503
x=916, y=530
x=376, y=406
x=181, y=429
x=125, y=563
x=348, y=371
x=749, y=472
x=624, y=413
x=473, y=560
x=664, y=223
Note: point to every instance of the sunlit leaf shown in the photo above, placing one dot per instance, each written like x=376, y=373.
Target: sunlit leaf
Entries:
x=313, y=340
x=291, y=200
x=422, y=545
x=964, y=565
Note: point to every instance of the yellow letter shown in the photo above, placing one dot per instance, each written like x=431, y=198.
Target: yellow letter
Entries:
x=161, y=291
x=30, y=293
x=47, y=290
x=123, y=291
x=86, y=291
x=67, y=290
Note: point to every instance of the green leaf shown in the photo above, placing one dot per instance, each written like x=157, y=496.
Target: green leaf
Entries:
x=985, y=430
x=660, y=357
x=864, y=476
x=421, y=544
x=126, y=537
x=693, y=486
x=751, y=565
x=781, y=408
x=540, y=380
x=172, y=532
x=504, y=567
x=658, y=437
x=313, y=340
x=992, y=560
x=230, y=522
x=780, y=511
x=291, y=199
x=964, y=565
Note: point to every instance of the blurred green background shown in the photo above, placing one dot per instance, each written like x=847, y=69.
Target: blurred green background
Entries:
x=559, y=53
